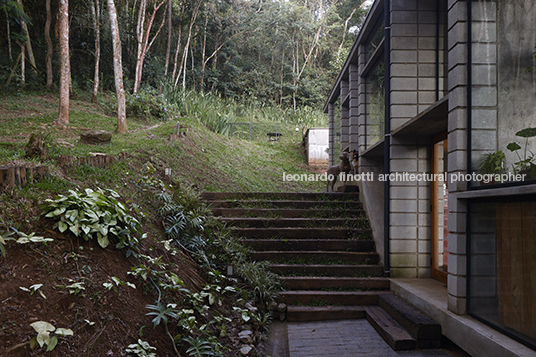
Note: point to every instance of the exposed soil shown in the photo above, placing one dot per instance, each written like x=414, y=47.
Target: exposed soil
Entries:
x=104, y=321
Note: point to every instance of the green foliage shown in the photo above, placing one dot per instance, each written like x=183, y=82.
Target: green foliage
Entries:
x=148, y=103
x=526, y=163
x=96, y=215
x=262, y=284
x=492, y=163
x=44, y=330
x=140, y=349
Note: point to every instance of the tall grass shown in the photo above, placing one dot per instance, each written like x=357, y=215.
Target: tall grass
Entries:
x=217, y=113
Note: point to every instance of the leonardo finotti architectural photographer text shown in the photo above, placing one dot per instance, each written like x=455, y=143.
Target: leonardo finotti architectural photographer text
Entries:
x=409, y=177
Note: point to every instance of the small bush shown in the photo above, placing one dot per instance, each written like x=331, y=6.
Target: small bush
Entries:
x=148, y=103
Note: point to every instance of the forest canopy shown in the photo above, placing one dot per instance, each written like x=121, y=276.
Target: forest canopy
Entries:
x=267, y=52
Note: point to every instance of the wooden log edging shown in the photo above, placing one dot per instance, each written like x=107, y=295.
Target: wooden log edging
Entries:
x=96, y=160
x=12, y=176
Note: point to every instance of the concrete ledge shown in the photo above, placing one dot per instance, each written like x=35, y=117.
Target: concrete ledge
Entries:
x=474, y=337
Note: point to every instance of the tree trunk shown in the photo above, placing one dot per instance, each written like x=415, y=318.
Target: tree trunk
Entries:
x=50, y=47
x=23, y=65
x=9, y=37
x=65, y=65
x=28, y=43
x=147, y=45
x=95, y=12
x=118, y=69
x=170, y=31
x=139, y=38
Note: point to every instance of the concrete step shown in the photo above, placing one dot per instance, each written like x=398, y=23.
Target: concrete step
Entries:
x=301, y=233
x=395, y=335
x=321, y=313
x=287, y=213
x=327, y=270
x=319, y=297
x=311, y=244
x=285, y=204
x=279, y=196
x=333, y=282
x=318, y=256
x=259, y=222
x=423, y=328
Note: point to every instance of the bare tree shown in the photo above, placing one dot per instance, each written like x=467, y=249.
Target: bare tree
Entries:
x=95, y=14
x=118, y=69
x=65, y=65
x=50, y=47
x=143, y=39
x=170, y=31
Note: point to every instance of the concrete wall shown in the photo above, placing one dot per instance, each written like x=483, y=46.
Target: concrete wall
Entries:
x=457, y=154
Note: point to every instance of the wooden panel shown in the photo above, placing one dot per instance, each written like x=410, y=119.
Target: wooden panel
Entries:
x=529, y=267
x=516, y=251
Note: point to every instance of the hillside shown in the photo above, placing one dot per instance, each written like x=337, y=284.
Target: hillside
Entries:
x=90, y=290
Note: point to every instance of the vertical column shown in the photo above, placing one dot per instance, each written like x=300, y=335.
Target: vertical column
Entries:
x=361, y=103
x=332, y=134
x=354, y=80
x=345, y=118
x=457, y=154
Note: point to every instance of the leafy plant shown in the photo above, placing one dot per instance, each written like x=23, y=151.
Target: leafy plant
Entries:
x=96, y=215
x=117, y=282
x=525, y=164
x=492, y=163
x=263, y=284
x=148, y=103
x=141, y=349
x=44, y=329
x=32, y=289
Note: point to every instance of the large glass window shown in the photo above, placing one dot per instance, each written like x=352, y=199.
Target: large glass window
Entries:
x=502, y=266
x=503, y=90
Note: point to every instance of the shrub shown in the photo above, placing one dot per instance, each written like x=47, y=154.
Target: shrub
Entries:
x=148, y=103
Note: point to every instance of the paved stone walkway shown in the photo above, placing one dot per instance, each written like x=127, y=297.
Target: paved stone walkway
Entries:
x=345, y=338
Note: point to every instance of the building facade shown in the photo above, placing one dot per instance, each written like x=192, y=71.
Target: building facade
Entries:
x=439, y=100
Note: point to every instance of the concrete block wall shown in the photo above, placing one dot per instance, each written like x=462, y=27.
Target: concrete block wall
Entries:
x=410, y=210
x=354, y=107
x=484, y=123
x=332, y=133
x=457, y=154
x=413, y=89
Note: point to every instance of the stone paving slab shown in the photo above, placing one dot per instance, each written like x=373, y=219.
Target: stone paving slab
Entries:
x=344, y=338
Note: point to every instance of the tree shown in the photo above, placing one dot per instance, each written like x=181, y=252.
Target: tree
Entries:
x=95, y=14
x=118, y=69
x=143, y=37
x=65, y=65
x=50, y=47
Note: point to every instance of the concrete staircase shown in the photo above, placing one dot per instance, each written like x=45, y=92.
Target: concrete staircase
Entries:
x=321, y=246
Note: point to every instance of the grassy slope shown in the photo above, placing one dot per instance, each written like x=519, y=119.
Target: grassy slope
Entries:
x=213, y=162
x=210, y=161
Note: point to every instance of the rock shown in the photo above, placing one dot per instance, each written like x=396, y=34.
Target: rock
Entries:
x=282, y=316
x=246, y=350
x=93, y=137
x=251, y=308
x=246, y=337
x=281, y=307
x=272, y=305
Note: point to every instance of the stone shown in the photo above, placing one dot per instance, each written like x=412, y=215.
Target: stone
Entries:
x=246, y=337
x=246, y=350
x=93, y=137
x=281, y=307
x=282, y=316
x=272, y=305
